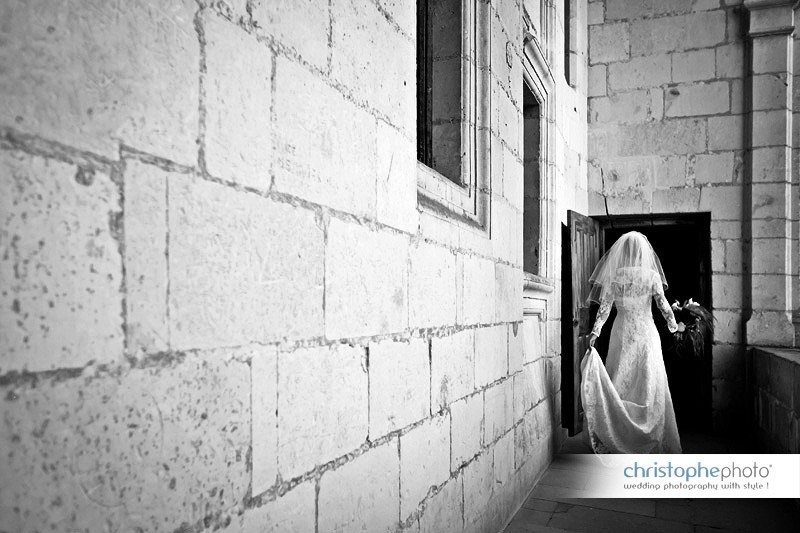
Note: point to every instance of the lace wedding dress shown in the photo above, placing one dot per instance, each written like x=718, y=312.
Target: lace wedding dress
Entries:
x=627, y=403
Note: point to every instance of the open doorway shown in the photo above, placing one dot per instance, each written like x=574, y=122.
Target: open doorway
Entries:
x=683, y=243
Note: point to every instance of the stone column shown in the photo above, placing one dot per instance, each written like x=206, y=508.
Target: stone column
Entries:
x=772, y=265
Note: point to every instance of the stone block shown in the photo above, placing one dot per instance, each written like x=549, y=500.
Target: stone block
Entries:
x=302, y=26
x=452, y=368
x=670, y=137
x=733, y=257
x=508, y=289
x=771, y=256
x=726, y=132
x=677, y=33
x=374, y=61
x=771, y=54
x=477, y=290
x=724, y=202
x=146, y=282
x=71, y=75
x=478, y=485
x=629, y=10
x=322, y=406
x=727, y=290
x=444, y=511
x=466, y=435
x=771, y=91
x=696, y=65
x=223, y=276
x=504, y=464
x=325, y=145
x=684, y=200
x=61, y=267
x=608, y=43
x=264, y=419
x=717, y=255
x=771, y=128
x=770, y=228
x=516, y=347
x=533, y=334
x=770, y=328
x=498, y=410
x=396, y=197
x=491, y=354
x=713, y=168
x=432, y=286
x=399, y=385
x=728, y=326
x=639, y=72
x=366, y=285
x=294, y=511
x=424, y=461
x=595, y=13
x=597, y=81
x=627, y=107
x=771, y=200
x=770, y=291
x=686, y=100
x=771, y=164
x=362, y=495
x=238, y=79
x=116, y=447
x=730, y=61
x=670, y=172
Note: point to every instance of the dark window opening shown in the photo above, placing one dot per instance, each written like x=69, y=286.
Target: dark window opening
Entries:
x=439, y=109
x=531, y=157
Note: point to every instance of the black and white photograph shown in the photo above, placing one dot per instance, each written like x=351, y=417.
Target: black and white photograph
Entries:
x=399, y=266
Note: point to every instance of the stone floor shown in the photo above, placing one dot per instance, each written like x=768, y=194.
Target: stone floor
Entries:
x=547, y=509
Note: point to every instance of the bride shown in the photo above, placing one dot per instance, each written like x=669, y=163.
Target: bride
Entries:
x=627, y=404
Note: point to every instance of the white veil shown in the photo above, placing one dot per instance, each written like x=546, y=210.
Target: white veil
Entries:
x=630, y=260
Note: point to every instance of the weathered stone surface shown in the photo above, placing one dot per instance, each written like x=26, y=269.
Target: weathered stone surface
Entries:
x=399, y=385
x=771, y=255
x=530, y=387
x=322, y=406
x=444, y=510
x=466, y=434
x=432, y=286
x=770, y=291
x=684, y=200
x=696, y=65
x=302, y=26
x=508, y=290
x=366, y=281
x=595, y=13
x=491, y=354
x=516, y=347
x=238, y=144
x=713, y=168
x=686, y=100
x=639, y=72
x=61, y=267
x=633, y=106
x=70, y=74
x=498, y=410
x=396, y=176
x=477, y=290
x=452, y=368
x=771, y=54
x=325, y=145
x=730, y=61
x=684, y=32
x=726, y=133
x=424, y=461
x=362, y=495
x=478, y=484
x=597, y=80
x=374, y=61
x=223, y=274
x=264, y=424
x=608, y=43
x=633, y=9
x=771, y=164
x=771, y=200
x=672, y=137
x=771, y=128
x=534, y=346
x=115, y=447
x=146, y=280
x=294, y=511
x=727, y=291
x=670, y=172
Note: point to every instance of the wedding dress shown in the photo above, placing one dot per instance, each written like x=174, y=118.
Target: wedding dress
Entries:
x=627, y=404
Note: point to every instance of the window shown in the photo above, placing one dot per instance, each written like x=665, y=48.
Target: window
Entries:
x=570, y=48
x=531, y=159
x=439, y=87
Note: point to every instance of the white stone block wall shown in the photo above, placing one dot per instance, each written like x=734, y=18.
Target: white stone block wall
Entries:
x=667, y=135
x=222, y=306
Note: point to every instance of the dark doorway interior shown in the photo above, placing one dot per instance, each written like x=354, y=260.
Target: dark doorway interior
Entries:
x=683, y=243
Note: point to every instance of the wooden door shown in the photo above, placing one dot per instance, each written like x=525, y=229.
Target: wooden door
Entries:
x=581, y=245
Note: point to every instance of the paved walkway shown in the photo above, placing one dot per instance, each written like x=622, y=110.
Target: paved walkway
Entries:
x=547, y=509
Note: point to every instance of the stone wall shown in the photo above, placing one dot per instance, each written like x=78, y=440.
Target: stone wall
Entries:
x=222, y=306
x=774, y=389
x=667, y=135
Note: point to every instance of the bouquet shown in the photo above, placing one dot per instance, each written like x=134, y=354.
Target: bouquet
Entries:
x=691, y=342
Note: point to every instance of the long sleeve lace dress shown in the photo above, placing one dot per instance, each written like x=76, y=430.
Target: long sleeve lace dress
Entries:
x=627, y=403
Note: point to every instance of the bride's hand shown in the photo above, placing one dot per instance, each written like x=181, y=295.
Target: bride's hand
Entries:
x=681, y=326
x=592, y=339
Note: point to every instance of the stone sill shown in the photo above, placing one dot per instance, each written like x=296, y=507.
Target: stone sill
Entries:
x=791, y=355
x=532, y=282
